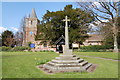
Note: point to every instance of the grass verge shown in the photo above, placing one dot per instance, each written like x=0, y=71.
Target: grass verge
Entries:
x=23, y=65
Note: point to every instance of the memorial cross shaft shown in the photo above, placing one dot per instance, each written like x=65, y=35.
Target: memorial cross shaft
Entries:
x=66, y=32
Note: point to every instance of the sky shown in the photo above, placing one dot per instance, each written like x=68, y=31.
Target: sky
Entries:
x=13, y=12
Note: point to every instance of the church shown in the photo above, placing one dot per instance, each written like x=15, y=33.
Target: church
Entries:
x=30, y=30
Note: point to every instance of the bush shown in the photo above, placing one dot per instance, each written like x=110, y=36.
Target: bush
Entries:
x=0, y=49
x=21, y=48
x=46, y=51
x=4, y=48
x=95, y=48
x=39, y=62
x=29, y=43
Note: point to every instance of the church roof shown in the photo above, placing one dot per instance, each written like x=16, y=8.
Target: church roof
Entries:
x=33, y=14
x=95, y=37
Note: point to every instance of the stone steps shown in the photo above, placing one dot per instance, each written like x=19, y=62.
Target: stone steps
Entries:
x=67, y=61
x=51, y=67
x=64, y=58
x=66, y=69
x=67, y=55
x=80, y=60
x=69, y=64
x=64, y=65
x=87, y=66
x=83, y=63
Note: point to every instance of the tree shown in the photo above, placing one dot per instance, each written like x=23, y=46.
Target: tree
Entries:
x=104, y=11
x=0, y=40
x=18, y=38
x=7, y=38
x=20, y=34
x=118, y=32
x=52, y=26
x=106, y=31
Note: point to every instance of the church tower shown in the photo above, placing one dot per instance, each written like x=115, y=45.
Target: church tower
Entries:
x=30, y=29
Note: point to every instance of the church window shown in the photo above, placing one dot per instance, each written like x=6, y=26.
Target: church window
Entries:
x=30, y=22
x=31, y=32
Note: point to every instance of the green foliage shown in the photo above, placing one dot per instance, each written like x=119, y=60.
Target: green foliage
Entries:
x=52, y=26
x=21, y=48
x=17, y=48
x=46, y=51
x=29, y=43
x=0, y=48
x=96, y=48
x=107, y=32
x=119, y=39
x=7, y=38
x=39, y=62
x=110, y=41
x=4, y=48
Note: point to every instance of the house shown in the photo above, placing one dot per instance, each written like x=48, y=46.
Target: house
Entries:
x=94, y=39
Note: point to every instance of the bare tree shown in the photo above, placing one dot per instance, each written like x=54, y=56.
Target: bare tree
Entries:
x=21, y=32
x=104, y=11
x=18, y=38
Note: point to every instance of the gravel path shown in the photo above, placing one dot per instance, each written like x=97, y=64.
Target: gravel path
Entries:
x=99, y=58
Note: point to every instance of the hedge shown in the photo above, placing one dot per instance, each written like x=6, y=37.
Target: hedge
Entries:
x=21, y=48
x=18, y=48
x=96, y=48
x=4, y=48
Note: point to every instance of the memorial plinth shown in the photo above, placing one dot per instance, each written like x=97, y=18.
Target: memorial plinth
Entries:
x=67, y=62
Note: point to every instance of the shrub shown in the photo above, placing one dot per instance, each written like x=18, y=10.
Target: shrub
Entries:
x=46, y=51
x=29, y=43
x=0, y=49
x=21, y=48
x=95, y=48
x=4, y=48
x=51, y=51
x=39, y=62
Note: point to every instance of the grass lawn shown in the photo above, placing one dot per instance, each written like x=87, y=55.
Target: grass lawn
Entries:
x=109, y=55
x=23, y=65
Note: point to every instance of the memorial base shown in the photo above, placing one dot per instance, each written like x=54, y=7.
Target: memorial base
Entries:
x=66, y=63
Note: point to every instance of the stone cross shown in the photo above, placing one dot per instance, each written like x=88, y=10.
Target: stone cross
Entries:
x=66, y=32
